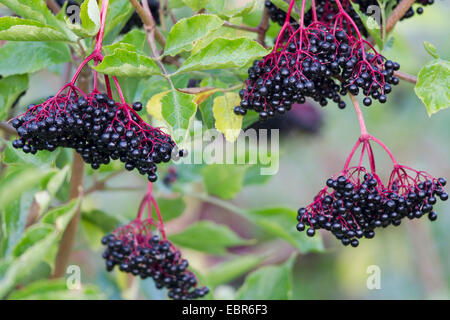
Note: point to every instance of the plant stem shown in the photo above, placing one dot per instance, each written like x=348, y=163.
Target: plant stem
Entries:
x=360, y=116
x=397, y=14
x=148, y=21
x=405, y=76
x=68, y=238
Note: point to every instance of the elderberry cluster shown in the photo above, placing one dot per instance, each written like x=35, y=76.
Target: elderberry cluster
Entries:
x=351, y=210
x=97, y=128
x=313, y=67
x=277, y=15
x=156, y=259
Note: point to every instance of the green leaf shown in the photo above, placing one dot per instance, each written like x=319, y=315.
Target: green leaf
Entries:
x=14, y=217
x=33, y=234
x=231, y=8
x=224, y=180
x=90, y=16
x=281, y=222
x=370, y=24
x=119, y=12
x=21, y=267
x=196, y=4
x=178, y=110
x=209, y=237
x=15, y=157
x=268, y=283
x=170, y=208
x=224, y=53
x=283, y=5
x=101, y=219
x=253, y=176
x=432, y=85
x=227, y=122
x=431, y=49
x=10, y=89
x=126, y=63
x=37, y=10
x=16, y=29
x=231, y=269
x=60, y=216
x=27, y=57
x=55, y=290
x=36, y=244
x=20, y=178
x=137, y=38
x=186, y=32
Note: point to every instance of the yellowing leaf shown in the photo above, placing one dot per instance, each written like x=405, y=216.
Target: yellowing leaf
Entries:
x=154, y=105
x=202, y=96
x=227, y=121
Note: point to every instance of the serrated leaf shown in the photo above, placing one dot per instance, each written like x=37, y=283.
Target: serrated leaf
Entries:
x=224, y=53
x=268, y=283
x=433, y=83
x=55, y=290
x=32, y=235
x=154, y=105
x=37, y=10
x=16, y=29
x=431, y=49
x=10, y=89
x=231, y=269
x=178, y=110
x=126, y=63
x=186, y=32
x=137, y=38
x=27, y=57
x=227, y=121
x=90, y=16
x=224, y=180
x=209, y=237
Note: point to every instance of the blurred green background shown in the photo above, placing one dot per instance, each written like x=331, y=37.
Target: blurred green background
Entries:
x=414, y=258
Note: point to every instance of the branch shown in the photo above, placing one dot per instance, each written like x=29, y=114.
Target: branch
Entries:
x=241, y=27
x=263, y=26
x=149, y=22
x=397, y=14
x=53, y=6
x=7, y=128
x=405, y=76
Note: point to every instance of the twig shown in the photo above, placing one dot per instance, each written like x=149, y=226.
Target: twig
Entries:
x=263, y=27
x=397, y=14
x=7, y=128
x=405, y=76
x=101, y=184
x=149, y=22
x=52, y=5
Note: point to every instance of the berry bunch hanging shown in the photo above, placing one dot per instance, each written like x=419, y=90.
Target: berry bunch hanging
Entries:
x=355, y=201
x=136, y=249
x=320, y=62
x=95, y=126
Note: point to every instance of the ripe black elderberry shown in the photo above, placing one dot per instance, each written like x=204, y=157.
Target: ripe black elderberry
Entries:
x=134, y=250
x=355, y=203
x=96, y=127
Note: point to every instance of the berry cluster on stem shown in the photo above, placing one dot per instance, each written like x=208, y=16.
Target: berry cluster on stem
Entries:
x=137, y=249
x=320, y=61
x=93, y=124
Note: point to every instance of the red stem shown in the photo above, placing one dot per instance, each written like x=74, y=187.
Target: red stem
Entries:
x=119, y=90
x=314, y=13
